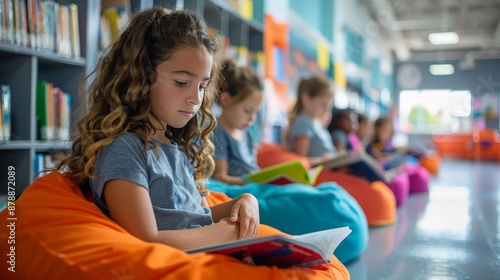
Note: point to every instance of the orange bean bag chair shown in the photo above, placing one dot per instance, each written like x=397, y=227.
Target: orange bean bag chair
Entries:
x=431, y=163
x=376, y=199
x=59, y=235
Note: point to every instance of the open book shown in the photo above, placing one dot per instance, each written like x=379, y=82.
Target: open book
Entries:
x=364, y=165
x=275, y=250
x=285, y=173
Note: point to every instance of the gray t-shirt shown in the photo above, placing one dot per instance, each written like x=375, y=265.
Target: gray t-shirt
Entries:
x=169, y=180
x=321, y=140
x=240, y=155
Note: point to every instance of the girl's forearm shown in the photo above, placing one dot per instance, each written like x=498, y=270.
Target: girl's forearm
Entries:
x=230, y=180
x=222, y=210
x=186, y=239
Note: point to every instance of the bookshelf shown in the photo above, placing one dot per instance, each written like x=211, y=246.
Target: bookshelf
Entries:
x=21, y=68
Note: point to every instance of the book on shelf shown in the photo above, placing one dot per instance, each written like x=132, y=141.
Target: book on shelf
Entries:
x=42, y=161
x=9, y=34
x=45, y=110
x=74, y=30
x=276, y=250
x=21, y=23
x=5, y=114
x=62, y=114
x=17, y=22
x=364, y=165
x=285, y=173
x=33, y=30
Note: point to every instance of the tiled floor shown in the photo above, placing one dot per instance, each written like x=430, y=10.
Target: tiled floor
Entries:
x=453, y=232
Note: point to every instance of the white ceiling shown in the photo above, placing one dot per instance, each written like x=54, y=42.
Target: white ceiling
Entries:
x=407, y=23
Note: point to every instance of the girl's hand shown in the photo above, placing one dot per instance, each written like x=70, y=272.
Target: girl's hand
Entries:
x=246, y=212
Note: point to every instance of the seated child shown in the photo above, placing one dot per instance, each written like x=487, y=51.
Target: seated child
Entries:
x=343, y=123
x=381, y=148
x=307, y=135
x=364, y=130
x=148, y=101
x=240, y=98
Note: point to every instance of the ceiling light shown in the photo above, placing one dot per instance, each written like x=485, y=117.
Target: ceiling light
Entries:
x=443, y=38
x=441, y=69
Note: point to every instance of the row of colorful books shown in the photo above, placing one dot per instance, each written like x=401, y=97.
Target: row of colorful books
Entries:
x=5, y=108
x=41, y=24
x=53, y=107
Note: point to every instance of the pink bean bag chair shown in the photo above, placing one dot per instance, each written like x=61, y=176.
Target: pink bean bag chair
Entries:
x=418, y=177
x=400, y=186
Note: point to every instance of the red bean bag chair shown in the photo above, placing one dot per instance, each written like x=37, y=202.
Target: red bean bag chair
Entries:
x=376, y=199
x=59, y=235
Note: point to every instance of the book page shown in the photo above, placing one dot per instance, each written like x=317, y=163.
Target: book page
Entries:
x=325, y=241
x=313, y=173
x=339, y=159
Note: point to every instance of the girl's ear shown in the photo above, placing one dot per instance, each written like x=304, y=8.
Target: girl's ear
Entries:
x=225, y=98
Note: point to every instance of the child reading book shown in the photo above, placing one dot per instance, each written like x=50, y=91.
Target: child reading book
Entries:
x=240, y=98
x=343, y=122
x=306, y=134
x=382, y=149
x=363, y=132
x=148, y=101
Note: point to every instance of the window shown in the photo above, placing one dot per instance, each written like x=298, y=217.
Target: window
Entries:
x=435, y=111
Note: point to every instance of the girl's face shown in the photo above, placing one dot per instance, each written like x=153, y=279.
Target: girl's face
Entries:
x=240, y=114
x=177, y=94
x=363, y=129
x=318, y=107
x=384, y=133
x=350, y=122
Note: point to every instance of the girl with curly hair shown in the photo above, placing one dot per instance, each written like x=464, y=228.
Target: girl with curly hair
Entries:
x=142, y=148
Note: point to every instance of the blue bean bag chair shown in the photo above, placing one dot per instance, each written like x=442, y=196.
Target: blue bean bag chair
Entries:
x=299, y=209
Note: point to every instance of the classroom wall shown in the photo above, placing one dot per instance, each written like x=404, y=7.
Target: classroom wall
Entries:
x=318, y=13
x=354, y=16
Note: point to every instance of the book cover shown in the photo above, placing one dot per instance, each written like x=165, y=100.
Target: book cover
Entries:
x=45, y=110
x=285, y=173
x=74, y=30
x=275, y=250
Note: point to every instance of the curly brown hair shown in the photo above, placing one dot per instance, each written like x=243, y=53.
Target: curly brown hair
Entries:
x=114, y=97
